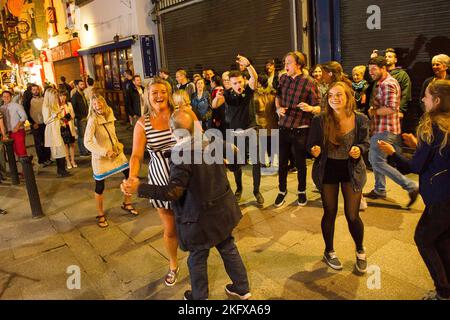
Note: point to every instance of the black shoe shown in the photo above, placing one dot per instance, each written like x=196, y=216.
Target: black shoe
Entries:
x=259, y=198
x=229, y=289
x=238, y=194
x=302, y=201
x=280, y=200
x=64, y=174
x=374, y=195
x=188, y=295
x=3, y=211
x=412, y=197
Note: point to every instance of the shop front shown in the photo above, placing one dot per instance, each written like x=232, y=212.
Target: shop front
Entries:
x=109, y=63
x=66, y=61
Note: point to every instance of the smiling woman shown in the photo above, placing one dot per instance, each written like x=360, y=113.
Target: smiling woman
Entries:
x=338, y=138
x=152, y=133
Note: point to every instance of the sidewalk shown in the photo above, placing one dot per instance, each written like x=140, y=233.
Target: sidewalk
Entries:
x=282, y=248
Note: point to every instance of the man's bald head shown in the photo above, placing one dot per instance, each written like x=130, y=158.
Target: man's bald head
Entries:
x=182, y=120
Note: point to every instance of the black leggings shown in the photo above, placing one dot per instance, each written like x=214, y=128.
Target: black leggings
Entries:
x=352, y=199
x=100, y=184
x=433, y=241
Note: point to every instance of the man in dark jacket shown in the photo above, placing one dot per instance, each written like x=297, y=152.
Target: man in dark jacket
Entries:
x=81, y=109
x=135, y=94
x=128, y=82
x=206, y=211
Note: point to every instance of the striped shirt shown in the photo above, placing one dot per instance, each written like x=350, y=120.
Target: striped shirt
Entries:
x=387, y=94
x=158, y=142
x=291, y=92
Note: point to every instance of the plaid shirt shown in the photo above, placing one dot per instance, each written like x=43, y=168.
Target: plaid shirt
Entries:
x=387, y=93
x=292, y=91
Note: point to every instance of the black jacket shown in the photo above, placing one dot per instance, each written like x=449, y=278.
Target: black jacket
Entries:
x=134, y=100
x=206, y=211
x=80, y=106
x=356, y=167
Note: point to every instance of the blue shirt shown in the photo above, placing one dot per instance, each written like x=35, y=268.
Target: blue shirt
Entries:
x=13, y=114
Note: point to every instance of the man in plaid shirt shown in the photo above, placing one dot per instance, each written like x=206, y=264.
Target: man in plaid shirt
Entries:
x=297, y=102
x=384, y=112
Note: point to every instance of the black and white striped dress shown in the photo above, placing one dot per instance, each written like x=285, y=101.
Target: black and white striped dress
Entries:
x=158, y=142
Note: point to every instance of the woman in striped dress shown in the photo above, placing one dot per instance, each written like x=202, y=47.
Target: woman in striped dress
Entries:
x=152, y=133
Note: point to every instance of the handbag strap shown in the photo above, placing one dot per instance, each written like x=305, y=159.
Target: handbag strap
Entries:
x=110, y=139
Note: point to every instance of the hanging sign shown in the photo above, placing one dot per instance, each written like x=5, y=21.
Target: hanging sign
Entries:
x=148, y=50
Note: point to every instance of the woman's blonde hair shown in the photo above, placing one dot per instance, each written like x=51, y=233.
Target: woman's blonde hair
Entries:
x=439, y=116
x=181, y=98
x=51, y=100
x=156, y=81
x=443, y=59
x=96, y=96
x=331, y=127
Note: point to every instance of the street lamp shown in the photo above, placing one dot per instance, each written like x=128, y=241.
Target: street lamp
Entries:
x=38, y=43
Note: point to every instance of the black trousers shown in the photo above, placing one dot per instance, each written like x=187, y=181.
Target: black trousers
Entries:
x=42, y=152
x=295, y=140
x=256, y=167
x=433, y=241
x=198, y=270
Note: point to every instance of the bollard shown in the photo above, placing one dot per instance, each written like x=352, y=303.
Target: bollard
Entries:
x=30, y=182
x=12, y=162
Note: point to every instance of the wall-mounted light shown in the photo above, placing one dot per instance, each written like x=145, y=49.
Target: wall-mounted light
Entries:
x=52, y=43
x=38, y=43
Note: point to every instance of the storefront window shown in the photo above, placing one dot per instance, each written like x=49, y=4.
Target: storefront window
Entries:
x=130, y=60
x=108, y=75
x=99, y=71
x=122, y=64
x=115, y=71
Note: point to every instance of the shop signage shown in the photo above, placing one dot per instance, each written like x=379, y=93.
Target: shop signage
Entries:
x=11, y=21
x=23, y=27
x=66, y=50
x=13, y=37
x=148, y=49
x=27, y=56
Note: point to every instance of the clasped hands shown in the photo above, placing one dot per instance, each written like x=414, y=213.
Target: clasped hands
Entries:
x=129, y=186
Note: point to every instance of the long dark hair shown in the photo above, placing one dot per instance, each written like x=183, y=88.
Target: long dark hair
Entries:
x=331, y=126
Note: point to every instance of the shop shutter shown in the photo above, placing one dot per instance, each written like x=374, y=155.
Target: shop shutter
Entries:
x=69, y=68
x=211, y=33
x=416, y=29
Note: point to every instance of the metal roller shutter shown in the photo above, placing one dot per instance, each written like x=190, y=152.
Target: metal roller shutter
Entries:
x=70, y=68
x=211, y=33
x=416, y=29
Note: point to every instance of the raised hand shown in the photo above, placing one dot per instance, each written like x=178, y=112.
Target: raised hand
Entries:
x=410, y=140
x=386, y=148
x=315, y=151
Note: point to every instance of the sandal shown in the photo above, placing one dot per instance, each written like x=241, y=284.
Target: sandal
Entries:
x=171, y=277
x=129, y=207
x=102, y=222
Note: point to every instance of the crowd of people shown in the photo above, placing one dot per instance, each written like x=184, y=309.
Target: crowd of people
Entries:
x=344, y=124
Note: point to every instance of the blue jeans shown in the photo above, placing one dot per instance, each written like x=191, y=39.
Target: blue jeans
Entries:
x=81, y=126
x=198, y=270
x=382, y=169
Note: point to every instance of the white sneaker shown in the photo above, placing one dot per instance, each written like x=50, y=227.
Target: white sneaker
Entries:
x=363, y=204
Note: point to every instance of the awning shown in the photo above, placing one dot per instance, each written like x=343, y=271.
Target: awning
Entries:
x=106, y=47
